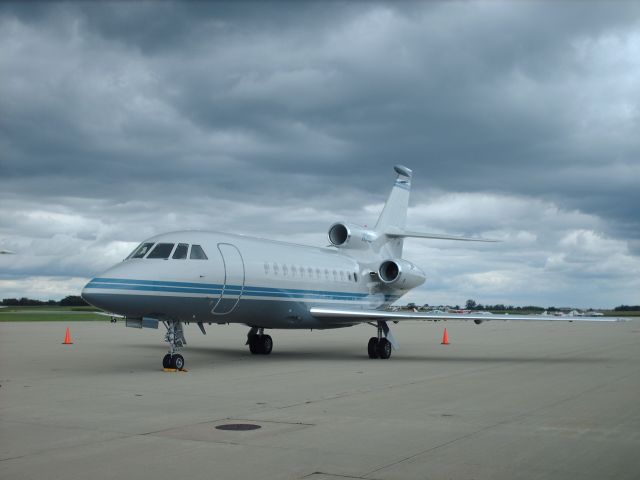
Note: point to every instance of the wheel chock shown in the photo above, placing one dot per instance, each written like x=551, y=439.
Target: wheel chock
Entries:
x=174, y=370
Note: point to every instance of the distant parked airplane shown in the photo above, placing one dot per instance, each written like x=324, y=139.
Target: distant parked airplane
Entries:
x=6, y=252
x=210, y=277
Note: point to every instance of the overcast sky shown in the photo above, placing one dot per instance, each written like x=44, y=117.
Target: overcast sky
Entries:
x=520, y=120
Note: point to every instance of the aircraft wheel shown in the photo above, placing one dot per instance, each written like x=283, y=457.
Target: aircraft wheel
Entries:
x=166, y=361
x=254, y=344
x=384, y=348
x=266, y=344
x=372, y=347
x=177, y=361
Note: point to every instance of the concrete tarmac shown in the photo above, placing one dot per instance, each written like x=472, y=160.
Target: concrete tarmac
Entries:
x=505, y=400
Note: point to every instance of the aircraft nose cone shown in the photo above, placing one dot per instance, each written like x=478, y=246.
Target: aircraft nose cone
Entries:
x=86, y=294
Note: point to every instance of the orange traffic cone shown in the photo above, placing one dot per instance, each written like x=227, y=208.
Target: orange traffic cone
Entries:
x=67, y=338
x=445, y=338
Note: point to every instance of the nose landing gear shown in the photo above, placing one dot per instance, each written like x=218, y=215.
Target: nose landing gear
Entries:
x=173, y=361
x=175, y=338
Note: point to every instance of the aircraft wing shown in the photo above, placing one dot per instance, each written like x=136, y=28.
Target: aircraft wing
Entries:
x=109, y=314
x=338, y=315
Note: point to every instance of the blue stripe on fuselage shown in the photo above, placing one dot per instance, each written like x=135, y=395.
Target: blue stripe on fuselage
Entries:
x=216, y=289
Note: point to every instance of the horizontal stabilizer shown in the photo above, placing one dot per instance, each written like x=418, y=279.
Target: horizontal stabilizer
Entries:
x=361, y=316
x=436, y=236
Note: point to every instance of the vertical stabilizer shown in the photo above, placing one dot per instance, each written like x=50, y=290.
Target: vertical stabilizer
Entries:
x=394, y=214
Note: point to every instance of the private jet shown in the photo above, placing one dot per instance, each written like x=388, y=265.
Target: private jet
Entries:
x=200, y=277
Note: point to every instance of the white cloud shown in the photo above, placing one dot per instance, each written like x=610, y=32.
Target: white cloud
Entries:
x=42, y=287
x=547, y=255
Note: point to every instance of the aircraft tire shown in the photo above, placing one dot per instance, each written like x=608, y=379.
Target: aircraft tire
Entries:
x=384, y=348
x=254, y=344
x=177, y=361
x=372, y=347
x=166, y=361
x=266, y=344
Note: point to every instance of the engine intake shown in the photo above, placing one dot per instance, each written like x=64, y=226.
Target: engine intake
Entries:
x=401, y=274
x=344, y=235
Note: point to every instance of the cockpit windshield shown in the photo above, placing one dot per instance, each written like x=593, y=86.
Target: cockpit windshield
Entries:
x=161, y=250
x=181, y=251
x=141, y=251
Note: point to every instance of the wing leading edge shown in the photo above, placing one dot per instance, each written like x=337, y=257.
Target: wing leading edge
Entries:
x=355, y=316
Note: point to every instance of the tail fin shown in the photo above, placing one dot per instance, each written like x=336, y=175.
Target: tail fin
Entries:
x=394, y=213
x=391, y=224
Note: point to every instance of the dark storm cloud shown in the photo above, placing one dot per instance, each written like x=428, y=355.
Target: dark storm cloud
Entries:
x=114, y=111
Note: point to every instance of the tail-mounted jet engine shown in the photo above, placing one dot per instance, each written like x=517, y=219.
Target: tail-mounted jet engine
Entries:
x=401, y=274
x=354, y=237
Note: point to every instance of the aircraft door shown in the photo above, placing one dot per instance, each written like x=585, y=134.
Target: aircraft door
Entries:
x=234, y=278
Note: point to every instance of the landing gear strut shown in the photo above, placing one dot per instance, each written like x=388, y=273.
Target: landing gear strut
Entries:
x=175, y=338
x=380, y=346
x=259, y=343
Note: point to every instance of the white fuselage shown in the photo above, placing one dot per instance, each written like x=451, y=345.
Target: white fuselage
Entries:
x=247, y=280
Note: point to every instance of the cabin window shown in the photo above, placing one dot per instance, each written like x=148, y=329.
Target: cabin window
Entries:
x=161, y=250
x=335, y=276
x=181, y=251
x=293, y=270
x=197, y=253
x=266, y=268
x=310, y=272
x=276, y=269
x=142, y=250
x=318, y=273
x=355, y=277
x=285, y=270
x=349, y=275
x=301, y=272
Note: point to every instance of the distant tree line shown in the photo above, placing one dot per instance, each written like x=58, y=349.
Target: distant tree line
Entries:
x=472, y=305
x=69, y=301
x=627, y=308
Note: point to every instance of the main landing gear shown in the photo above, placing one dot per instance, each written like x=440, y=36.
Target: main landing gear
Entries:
x=259, y=343
x=380, y=346
x=175, y=338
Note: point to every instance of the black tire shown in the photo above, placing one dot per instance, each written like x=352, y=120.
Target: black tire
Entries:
x=384, y=348
x=254, y=344
x=372, y=347
x=177, y=362
x=266, y=344
x=166, y=361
